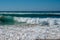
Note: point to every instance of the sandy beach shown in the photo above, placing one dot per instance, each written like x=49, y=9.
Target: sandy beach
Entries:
x=29, y=32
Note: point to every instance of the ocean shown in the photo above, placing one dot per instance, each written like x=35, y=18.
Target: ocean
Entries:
x=31, y=17
x=39, y=14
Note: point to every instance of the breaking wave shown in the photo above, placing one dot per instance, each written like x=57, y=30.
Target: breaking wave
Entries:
x=44, y=21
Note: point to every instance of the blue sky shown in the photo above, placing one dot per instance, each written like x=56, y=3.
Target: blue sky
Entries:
x=29, y=5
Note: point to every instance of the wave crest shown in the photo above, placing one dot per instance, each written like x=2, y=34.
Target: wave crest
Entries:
x=42, y=21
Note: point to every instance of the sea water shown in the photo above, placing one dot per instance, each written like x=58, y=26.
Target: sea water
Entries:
x=33, y=17
x=15, y=32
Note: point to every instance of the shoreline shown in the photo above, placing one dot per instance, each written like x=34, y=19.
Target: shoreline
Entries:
x=32, y=32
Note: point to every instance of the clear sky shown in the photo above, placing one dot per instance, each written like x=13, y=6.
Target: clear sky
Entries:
x=29, y=5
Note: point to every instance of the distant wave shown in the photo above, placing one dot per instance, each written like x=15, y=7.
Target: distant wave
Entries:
x=28, y=13
x=41, y=15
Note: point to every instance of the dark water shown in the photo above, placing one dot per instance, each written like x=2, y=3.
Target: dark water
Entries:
x=32, y=11
x=40, y=14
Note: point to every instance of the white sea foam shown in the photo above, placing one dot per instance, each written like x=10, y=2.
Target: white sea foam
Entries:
x=51, y=21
